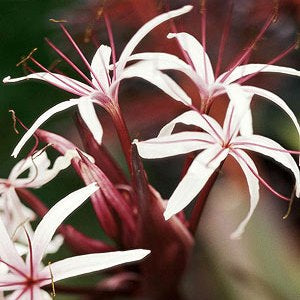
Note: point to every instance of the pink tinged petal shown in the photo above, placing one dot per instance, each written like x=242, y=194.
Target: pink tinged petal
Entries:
x=16, y=295
x=55, y=216
x=144, y=30
x=89, y=116
x=196, y=53
x=191, y=117
x=267, y=147
x=253, y=185
x=238, y=106
x=11, y=282
x=100, y=67
x=275, y=99
x=43, y=118
x=8, y=252
x=146, y=71
x=246, y=124
x=245, y=70
x=83, y=264
x=196, y=177
x=58, y=80
x=175, y=144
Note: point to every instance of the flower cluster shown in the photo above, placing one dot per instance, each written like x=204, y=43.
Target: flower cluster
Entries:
x=130, y=211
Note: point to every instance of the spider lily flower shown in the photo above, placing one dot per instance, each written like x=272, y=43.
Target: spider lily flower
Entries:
x=26, y=278
x=102, y=88
x=217, y=143
x=209, y=83
x=14, y=213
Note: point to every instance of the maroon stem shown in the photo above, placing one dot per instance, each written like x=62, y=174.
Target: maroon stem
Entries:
x=122, y=131
x=201, y=200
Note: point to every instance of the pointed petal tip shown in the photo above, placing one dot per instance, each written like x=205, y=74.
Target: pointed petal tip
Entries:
x=135, y=142
x=167, y=215
x=187, y=8
x=6, y=79
x=236, y=236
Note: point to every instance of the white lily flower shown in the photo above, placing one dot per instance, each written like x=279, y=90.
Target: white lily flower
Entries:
x=15, y=214
x=217, y=143
x=102, y=88
x=25, y=278
x=200, y=71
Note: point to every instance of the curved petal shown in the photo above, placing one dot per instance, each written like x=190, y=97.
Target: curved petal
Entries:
x=55, y=216
x=246, y=124
x=248, y=69
x=277, y=100
x=196, y=177
x=58, y=80
x=268, y=147
x=100, y=67
x=195, y=118
x=146, y=71
x=43, y=118
x=253, y=185
x=89, y=116
x=144, y=30
x=196, y=53
x=175, y=144
x=83, y=264
x=8, y=252
x=10, y=282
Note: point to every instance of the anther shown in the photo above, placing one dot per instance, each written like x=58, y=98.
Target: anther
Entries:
x=26, y=58
x=53, y=293
x=13, y=114
x=58, y=21
x=202, y=6
x=290, y=205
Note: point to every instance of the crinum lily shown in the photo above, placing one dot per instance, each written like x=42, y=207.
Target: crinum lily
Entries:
x=217, y=143
x=210, y=84
x=13, y=212
x=102, y=89
x=27, y=278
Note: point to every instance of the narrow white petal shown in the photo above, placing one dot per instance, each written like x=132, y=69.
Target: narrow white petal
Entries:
x=192, y=117
x=266, y=147
x=144, y=30
x=175, y=144
x=248, y=69
x=43, y=118
x=100, y=67
x=253, y=185
x=55, y=216
x=146, y=71
x=277, y=100
x=89, y=116
x=61, y=81
x=8, y=252
x=246, y=124
x=196, y=177
x=83, y=264
x=196, y=53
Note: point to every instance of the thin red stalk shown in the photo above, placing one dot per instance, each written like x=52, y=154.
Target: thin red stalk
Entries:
x=30, y=253
x=248, y=50
x=14, y=268
x=260, y=178
x=23, y=292
x=81, y=55
x=59, y=79
x=112, y=43
x=224, y=38
x=201, y=200
x=203, y=35
x=271, y=62
x=62, y=55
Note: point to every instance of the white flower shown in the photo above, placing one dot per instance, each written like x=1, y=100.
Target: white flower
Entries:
x=217, y=143
x=102, y=88
x=25, y=278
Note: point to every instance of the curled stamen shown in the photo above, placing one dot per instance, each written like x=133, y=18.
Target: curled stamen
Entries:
x=53, y=293
x=290, y=204
x=58, y=21
x=18, y=227
x=13, y=115
x=26, y=58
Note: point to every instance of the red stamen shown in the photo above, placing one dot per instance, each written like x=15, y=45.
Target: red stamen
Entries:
x=261, y=179
x=14, y=269
x=81, y=55
x=112, y=44
x=30, y=253
x=224, y=38
x=62, y=55
x=249, y=49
